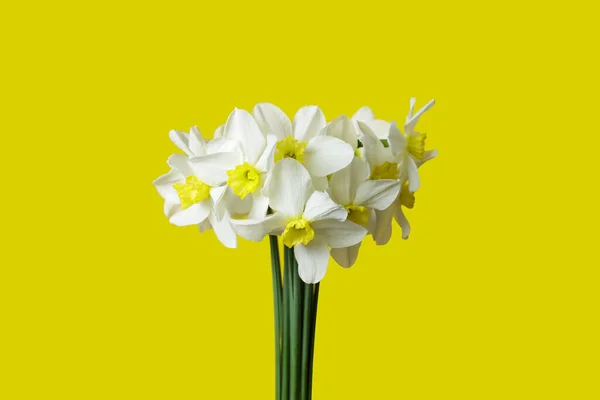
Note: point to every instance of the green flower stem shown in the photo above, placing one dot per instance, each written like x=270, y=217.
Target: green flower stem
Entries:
x=287, y=309
x=313, y=328
x=306, y=340
x=278, y=302
x=295, y=328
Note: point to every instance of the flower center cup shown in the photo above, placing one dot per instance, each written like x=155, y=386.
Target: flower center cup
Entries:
x=358, y=214
x=297, y=230
x=243, y=179
x=289, y=148
x=415, y=144
x=387, y=170
x=192, y=191
x=407, y=199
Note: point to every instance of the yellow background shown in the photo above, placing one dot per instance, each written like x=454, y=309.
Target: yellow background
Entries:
x=495, y=295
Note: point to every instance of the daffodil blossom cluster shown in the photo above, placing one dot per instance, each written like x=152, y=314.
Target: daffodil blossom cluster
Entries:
x=321, y=186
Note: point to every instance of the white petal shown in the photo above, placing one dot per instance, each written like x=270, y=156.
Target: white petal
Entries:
x=217, y=193
x=411, y=108
x=320, y=183
x=181, y=140
x=222, y=145
x=342, y=128
x=171, y=208
x=320, y=206
x=308, y=122
x=181, y=163
x=339, y=233
x=197, y=143
x=260, y=204
x=219, y=132
x=428, y=155
x=164, y=185
x=383, y=228
x=414, y=182
x=312, y=260
x=212, y=169
x=380, y=127
x=224, y=230
x=412, y=122
x=363, y=114
x=325, y=155
x=377, y=194
x=192, y=215
x=403, y=222
x=257, y=229
x=237, y=207
x=374, y=151
x=343, y=183
x=346, y=256
x=265, y=162
x=372, y=222
x=397, y=140
x=272, y=120
x=204, y=226
x=242, y=128
x=288, y=187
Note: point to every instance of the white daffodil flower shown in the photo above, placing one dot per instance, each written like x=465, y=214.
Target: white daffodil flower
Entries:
x=196, y=197
x=246, y=172
x=305, y=140
x=308, y=220
x=385, y=144
x=395, y=156
x=360, y=196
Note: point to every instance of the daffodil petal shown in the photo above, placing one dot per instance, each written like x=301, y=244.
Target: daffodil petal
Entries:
x=219, y=132
x=378, y=194
x=308, y=122
x=241, y=127
x=380, y=127
x=212, y=169
x=325, y=155
x=383, y=229
x=256, y=229
x=363, y=114
x=164, y=185
x=312, y=260
x=180, y=163
x=223, y=145
x=396, y=139
x=343, y=184
x=260, y=204
x=192, y=215
x=272, y=120
x=409, y=127
x=414, y=181
x=342, y=128
x=346, y=256
x=288, y=187
x=403, y=222
x=320, y=206
x=223, y=230
x=265, y=162
x=197, y=144
x=181, y=140
x=339, y=233
x=171, y=208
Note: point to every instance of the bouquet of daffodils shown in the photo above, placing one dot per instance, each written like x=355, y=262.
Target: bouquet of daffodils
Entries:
x=321, y=187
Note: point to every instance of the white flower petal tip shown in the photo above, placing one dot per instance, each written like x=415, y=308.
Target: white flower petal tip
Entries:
x=346, y=257
x=312, y=261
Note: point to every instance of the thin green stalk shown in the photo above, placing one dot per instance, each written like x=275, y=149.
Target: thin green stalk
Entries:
x=278, y=302
x=306, y=340
x=287, y=308
x=295, y=329
x=313, y=329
